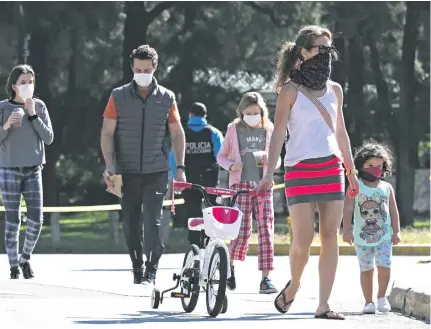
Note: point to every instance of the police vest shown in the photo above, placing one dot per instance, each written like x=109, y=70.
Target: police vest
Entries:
x=199, y=150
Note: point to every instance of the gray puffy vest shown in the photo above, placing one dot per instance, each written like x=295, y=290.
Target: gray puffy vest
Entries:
x=142, y=139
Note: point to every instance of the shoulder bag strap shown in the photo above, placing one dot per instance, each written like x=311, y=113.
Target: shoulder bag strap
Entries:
x=325, y=114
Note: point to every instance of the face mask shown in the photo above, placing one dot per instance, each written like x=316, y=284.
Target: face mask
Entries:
x=25, y=91
x=371, y=174
x=314, y=72
x=252, y=120
x=143, y=79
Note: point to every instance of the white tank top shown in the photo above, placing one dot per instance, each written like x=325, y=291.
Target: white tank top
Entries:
x=310, y=136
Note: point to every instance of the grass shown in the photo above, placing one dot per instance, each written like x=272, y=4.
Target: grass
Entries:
x=408, y=236
x=80, y=233
x=420, y=234
x=91, y=233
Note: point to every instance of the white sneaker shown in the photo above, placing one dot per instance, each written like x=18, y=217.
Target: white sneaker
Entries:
x=383, y=305
x=369, y=309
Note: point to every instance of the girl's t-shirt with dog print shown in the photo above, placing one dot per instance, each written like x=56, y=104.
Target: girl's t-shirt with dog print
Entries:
x=372, y=221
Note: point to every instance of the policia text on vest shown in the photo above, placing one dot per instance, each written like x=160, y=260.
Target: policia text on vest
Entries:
x=198, y=148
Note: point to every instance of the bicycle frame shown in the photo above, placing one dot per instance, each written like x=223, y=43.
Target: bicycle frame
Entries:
x=206, y=252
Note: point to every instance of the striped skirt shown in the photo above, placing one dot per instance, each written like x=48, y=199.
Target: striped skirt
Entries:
x=314, y=180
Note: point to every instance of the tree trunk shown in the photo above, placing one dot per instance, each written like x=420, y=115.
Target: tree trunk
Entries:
x=135, y=33
x=385, y=113
x=407, y=147
x=340, y=67
x=355, y=99
x=39, y=59
x=188, y=62
x=138, y=19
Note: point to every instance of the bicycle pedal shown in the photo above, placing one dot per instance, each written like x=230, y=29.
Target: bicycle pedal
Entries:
x=178, y=295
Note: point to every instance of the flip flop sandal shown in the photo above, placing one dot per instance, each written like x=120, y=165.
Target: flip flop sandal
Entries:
x=325, y=316
x=286, y=304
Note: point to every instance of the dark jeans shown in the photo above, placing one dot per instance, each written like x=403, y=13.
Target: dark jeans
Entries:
x=193, y=199
x=142, y=203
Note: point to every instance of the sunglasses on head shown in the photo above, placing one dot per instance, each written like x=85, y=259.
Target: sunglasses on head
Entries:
x=324, y=49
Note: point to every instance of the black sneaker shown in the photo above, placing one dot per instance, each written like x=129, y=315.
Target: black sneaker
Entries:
x=137, y=275
x=27, y=272
x=266, y=287
x=149, y=279
x=14, y=273
x=231, y=282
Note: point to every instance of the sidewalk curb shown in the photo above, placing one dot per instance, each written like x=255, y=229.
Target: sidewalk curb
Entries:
x=282, y=249
x=410, y=302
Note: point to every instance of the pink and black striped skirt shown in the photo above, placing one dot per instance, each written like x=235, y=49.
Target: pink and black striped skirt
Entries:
x=314, y=180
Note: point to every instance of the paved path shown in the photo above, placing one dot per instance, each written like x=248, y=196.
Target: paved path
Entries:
x=95, y=291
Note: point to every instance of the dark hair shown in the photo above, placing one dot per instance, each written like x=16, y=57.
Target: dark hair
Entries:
x=14, y=76
x=145, y=52
x=290, y=52
x=373, y=149
x=198, y=109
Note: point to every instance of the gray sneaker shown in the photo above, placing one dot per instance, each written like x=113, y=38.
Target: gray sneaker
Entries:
x=266, y=287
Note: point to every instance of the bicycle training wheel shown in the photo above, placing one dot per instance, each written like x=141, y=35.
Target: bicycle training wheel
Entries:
x=225, y=304
x=217, y=276
x=191, y=286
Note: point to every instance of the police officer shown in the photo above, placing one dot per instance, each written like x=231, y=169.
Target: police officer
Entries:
x=203, y=142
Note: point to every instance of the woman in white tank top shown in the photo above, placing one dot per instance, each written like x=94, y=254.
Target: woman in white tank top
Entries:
x=310, y=105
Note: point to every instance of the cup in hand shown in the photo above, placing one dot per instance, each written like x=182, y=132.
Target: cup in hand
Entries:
x=258, y=156
x=19, y=112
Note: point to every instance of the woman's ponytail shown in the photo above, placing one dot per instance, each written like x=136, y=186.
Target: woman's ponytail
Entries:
x=287, y=58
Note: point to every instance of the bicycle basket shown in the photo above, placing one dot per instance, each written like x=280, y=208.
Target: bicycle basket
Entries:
x=222, y=222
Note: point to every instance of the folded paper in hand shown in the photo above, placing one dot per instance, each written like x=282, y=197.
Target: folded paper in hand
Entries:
x=117, y=181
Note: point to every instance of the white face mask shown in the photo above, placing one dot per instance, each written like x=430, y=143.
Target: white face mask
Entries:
x=143, y=79
x=25, y=91
x=252, y=120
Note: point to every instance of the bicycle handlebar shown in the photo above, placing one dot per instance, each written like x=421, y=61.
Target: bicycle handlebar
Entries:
x=214, y=191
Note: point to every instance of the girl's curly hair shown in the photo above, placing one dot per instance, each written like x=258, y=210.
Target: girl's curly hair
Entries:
x=373, y=149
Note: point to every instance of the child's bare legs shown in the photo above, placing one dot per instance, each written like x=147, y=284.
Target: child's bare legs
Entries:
x=366, y=264
x=384, y=275
x=367, y=285
x=383, y=261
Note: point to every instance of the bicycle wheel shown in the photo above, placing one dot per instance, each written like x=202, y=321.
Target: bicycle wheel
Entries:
x=191, y=285
x=218, y=263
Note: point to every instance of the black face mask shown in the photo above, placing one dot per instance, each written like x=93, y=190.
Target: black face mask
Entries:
x=314, y=72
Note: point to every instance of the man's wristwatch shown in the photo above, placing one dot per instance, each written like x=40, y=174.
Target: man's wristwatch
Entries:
x=351, y=172
x=33, y=117
x=183, y=168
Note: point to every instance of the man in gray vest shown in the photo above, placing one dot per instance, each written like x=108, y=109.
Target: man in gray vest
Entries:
x=141, y=122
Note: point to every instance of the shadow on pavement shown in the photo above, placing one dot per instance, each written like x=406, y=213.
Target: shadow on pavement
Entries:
x=175, y=317
x=117, y=270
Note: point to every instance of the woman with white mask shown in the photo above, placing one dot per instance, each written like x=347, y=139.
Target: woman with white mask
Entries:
x=244, y=153
x=25, y=127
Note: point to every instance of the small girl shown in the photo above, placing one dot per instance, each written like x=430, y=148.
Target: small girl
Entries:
x=376, y=222
x=244, y=153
